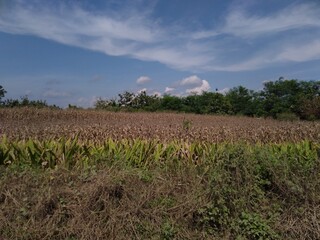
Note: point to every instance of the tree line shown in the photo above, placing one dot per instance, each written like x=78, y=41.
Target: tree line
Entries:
x=281, y=99
x=22, y=102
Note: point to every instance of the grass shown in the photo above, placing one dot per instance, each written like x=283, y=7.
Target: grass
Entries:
x=139, y=189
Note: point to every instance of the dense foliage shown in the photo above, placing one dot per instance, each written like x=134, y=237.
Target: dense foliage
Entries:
x=283, y=99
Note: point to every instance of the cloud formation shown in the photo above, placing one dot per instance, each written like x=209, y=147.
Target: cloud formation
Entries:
x=143, y=79
x=192, y=80
x=189, y=85
x=205, y=86
x=243, y=41
x=169, y=89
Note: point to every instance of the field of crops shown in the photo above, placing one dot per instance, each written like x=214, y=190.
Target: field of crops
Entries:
x=99, y=126
x=84, y=174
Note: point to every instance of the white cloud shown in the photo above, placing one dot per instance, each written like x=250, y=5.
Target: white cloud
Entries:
x=86, y=101
x=235, y=44
x=240, y=23
x=169, y=89
x=142, y=90
x=205, y=86
x=113, y=33
x=192, y=80
x=189, y=85
x=143, y=79
x=300, y=53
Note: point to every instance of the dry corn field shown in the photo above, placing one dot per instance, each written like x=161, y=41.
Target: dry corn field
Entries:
x=84, y=174
x=97, y=126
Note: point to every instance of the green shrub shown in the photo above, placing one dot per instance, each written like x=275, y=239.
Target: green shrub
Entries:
x=254, y=227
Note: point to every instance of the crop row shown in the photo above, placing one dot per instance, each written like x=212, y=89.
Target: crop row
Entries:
x=71, y=153
x=22, y=124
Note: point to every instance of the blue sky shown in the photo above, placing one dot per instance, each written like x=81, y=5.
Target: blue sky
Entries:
x=74, y=51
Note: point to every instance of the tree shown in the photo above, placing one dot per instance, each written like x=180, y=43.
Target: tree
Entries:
x=126, y=99
x=169, y=102
x=310, y=108
x=192, y=103
x=105, y=104
x=214, y=103
x=2, y=93
x=241, y=100
x=146, y=102
x=287, y=96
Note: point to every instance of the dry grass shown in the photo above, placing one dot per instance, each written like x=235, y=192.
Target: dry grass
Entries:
x=99, y=126
x=110, y=204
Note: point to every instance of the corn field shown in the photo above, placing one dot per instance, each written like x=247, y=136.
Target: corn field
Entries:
x=41, y=124
x=101, y=175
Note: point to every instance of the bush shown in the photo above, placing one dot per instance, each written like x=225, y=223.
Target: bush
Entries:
x=287, y=116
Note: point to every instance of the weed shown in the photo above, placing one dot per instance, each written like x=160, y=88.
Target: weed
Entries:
x=253, y=227
x=167, y=231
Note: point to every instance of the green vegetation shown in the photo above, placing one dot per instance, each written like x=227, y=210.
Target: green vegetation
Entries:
x=2, y=93
x=25, y=102
x=280, y=99
x=301, y=99
x=137, y=189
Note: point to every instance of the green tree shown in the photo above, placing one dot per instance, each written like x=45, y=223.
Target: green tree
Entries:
x=126, y=99
x=169, y=102
x=241, y=100
x=288, y=96
x=2, y=93
x=193, y=103
x=146, y=102
x=215, y=103
x=310, y=108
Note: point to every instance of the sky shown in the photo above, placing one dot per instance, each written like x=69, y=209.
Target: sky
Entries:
x=75, y=51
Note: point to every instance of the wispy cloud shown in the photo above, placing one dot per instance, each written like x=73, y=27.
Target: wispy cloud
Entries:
x=55, y=94
x=300, y=53
x=243, y=24
x=135, y=36
x=244, y=40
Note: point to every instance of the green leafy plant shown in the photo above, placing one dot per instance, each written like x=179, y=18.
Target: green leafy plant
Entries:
x=213, y=217
x=253, y=227
x=167, y=231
